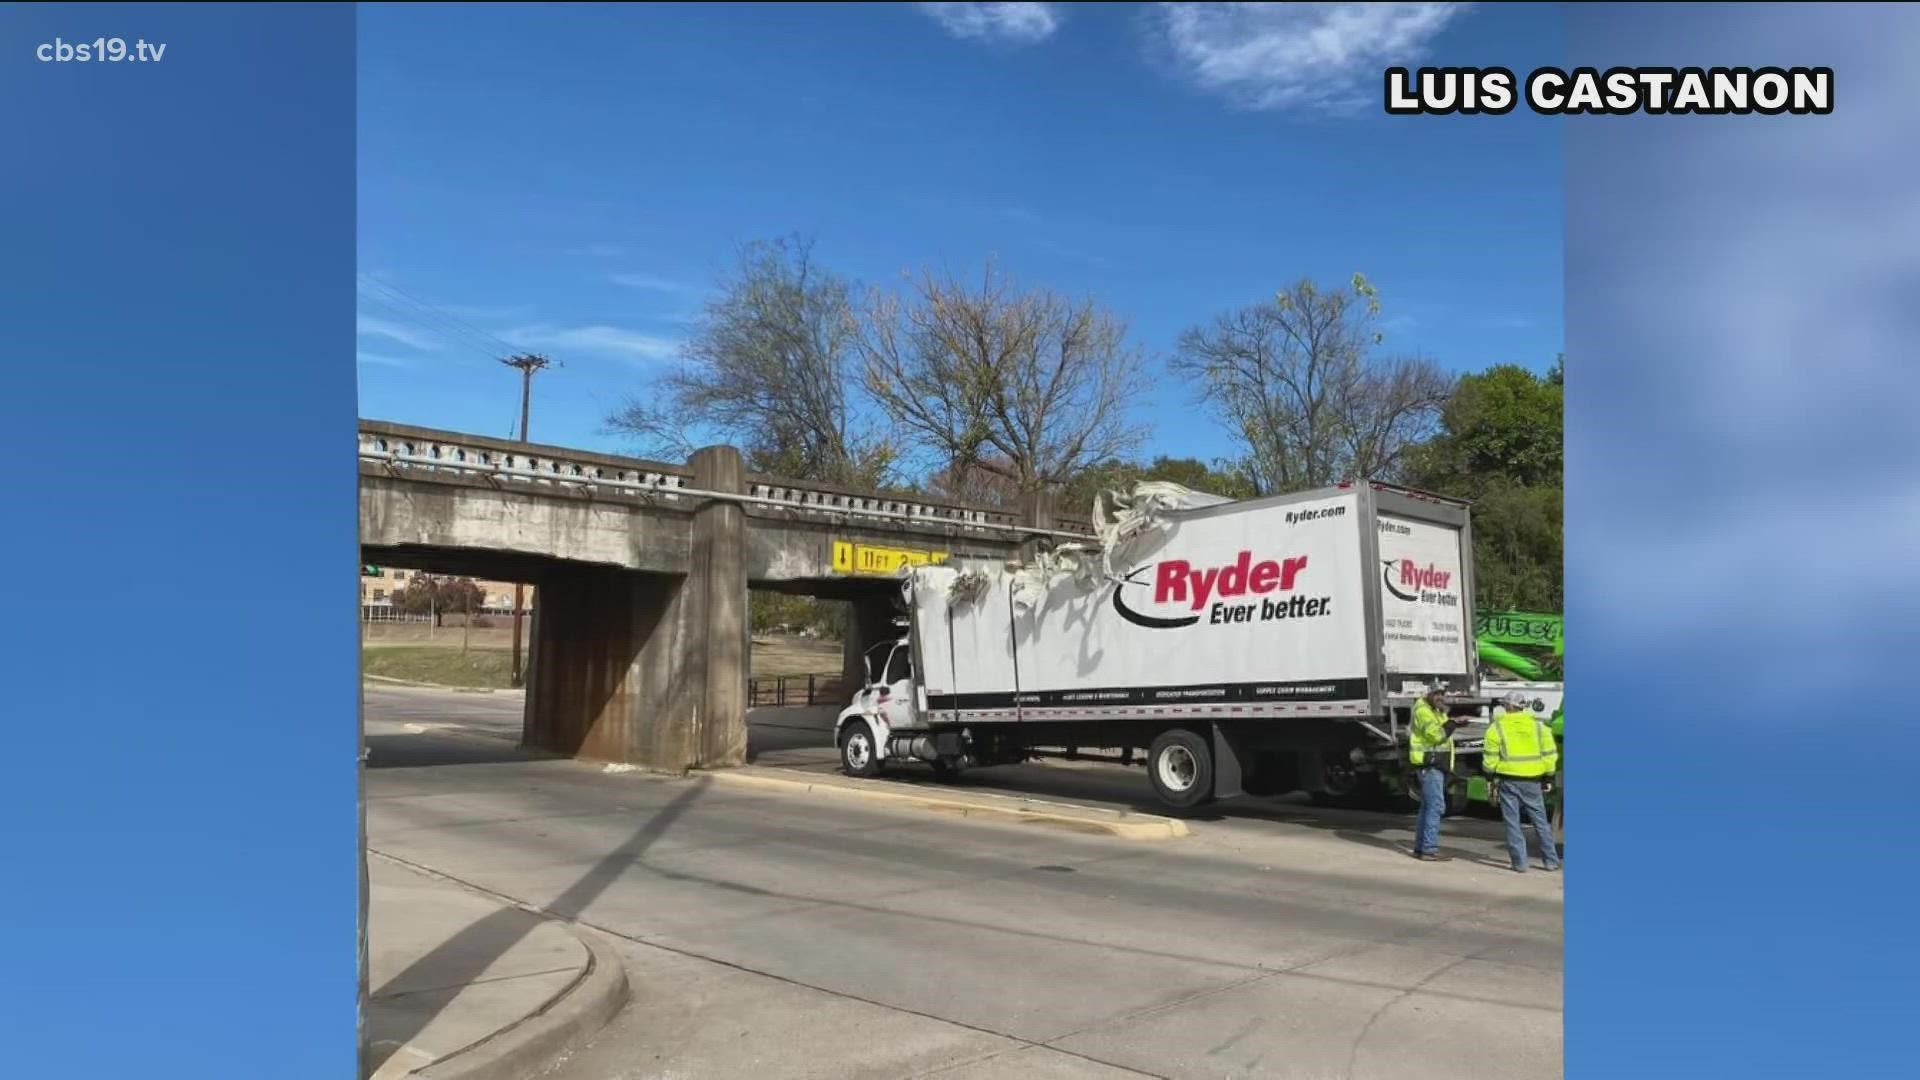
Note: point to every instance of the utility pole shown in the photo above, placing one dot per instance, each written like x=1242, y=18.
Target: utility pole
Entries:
x=526, y=364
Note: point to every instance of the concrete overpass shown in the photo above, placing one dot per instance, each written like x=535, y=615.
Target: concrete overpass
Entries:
x=640, y=639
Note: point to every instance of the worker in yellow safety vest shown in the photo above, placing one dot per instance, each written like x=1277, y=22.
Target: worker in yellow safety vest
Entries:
x=1520, y=757
x=1430, y=752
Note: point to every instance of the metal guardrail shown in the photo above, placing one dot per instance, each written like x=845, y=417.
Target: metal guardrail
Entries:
x=785, y=690
x=532, y=466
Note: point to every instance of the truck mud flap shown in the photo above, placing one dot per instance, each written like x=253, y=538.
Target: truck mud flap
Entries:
x=1226, y=765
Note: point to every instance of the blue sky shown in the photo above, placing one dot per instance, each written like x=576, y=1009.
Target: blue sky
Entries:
x=571, y=179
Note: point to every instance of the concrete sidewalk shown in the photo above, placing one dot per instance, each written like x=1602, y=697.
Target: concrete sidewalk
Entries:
x=467, y=986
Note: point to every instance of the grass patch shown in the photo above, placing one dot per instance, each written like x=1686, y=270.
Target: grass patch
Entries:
x=479, y=669
x=782, y=655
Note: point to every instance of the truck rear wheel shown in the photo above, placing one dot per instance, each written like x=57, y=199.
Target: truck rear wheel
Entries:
x=1180, y=765
x=859, y=754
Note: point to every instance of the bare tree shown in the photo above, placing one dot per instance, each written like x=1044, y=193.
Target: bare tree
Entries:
x=1304, y=391
x=977, y=485
x=1024, y=385
x=769, y=368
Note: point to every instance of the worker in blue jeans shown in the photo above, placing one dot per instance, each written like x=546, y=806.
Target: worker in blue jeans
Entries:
x=1430, y=753
x=1519, y=757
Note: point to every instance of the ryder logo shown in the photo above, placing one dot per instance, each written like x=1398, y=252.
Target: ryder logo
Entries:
x=1414, y=583
x=1180, y=585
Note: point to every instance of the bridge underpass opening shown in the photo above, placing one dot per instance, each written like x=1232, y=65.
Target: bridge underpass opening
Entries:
x=443, y=617
x=613, y=667
x=626, y=665
x=809, y=637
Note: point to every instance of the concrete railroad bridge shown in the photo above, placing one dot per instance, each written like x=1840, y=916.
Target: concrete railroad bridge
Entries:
x=639, y=642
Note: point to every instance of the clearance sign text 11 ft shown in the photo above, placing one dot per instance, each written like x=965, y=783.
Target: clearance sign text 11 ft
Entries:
x=850, y=558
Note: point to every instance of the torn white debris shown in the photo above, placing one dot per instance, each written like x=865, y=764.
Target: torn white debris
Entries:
x=1136, y=515
x=1139, y=513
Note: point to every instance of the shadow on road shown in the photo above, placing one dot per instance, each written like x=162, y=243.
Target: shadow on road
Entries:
x=467, y=955
x=1403, y=847
x=426, y=750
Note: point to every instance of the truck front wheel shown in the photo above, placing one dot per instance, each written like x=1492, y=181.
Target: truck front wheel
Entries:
x=1180, y=764
x=859, y=755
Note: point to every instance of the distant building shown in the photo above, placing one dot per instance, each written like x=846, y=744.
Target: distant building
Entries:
x=377, y=590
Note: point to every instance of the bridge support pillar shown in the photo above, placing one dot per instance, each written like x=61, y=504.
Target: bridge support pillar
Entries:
x=717, y=694
x=649, y=669
x=601, y=679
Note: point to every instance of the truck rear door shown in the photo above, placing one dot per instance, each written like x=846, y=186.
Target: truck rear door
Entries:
x=1426, y=593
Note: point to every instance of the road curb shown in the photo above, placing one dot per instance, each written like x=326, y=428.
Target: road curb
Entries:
x=391, y=681
x=1121, y=824
x=533, y=1042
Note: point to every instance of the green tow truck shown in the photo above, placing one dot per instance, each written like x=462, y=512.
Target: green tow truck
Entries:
x=1523, y=651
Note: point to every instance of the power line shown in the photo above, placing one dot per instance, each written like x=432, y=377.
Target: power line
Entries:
x=436, y=327
x=405, y=320
x=441, y=333
x=407, y=306
x=446, y=316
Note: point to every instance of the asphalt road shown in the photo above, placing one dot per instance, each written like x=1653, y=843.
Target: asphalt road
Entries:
x=773, y=935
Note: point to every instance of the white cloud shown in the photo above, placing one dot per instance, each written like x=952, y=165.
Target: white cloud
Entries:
x=650, y=282
x=600, y=339
x=1297, y=56
x=1018, y=24
x=380, y=360
x=368, y=326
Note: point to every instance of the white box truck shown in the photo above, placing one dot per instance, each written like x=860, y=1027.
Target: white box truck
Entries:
x=1253, y=647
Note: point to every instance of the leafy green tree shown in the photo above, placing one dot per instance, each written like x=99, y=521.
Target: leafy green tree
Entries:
x=768, y=610
x=1501, y=445
x=439, y=596
x=1518, y=537
x=1504, y=424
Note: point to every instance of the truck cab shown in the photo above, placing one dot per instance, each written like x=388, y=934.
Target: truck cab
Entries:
x=885, y=704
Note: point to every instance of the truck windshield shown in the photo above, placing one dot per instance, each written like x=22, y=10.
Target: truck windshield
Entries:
x=877, y=658
x=899, y=665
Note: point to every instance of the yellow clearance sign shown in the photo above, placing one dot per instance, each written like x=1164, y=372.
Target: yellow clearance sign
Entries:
x=850, y=558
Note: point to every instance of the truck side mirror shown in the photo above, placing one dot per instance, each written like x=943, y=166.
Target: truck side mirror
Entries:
x=866, y=666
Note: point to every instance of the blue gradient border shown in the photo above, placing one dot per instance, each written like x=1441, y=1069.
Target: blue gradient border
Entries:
x=1743, y=317
x=181, y=664
x=180, y=783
